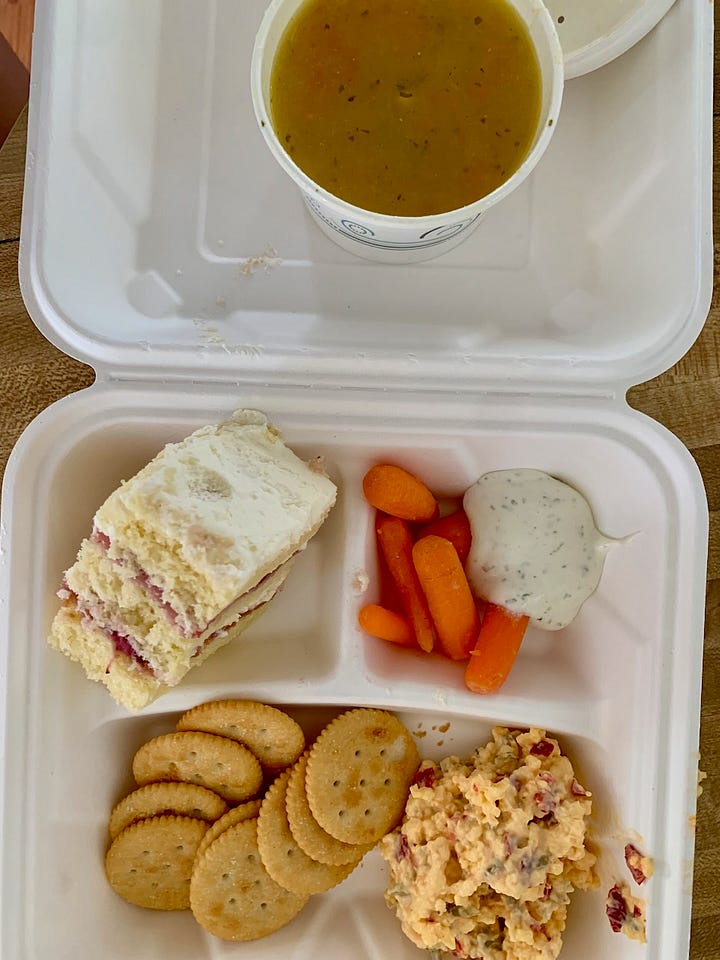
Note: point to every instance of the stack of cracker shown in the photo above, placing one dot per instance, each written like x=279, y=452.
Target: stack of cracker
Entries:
x=199, y=833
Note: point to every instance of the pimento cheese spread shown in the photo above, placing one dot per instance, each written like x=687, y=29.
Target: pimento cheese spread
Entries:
x=490, y=850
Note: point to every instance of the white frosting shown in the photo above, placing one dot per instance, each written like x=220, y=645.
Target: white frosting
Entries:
x=209, y=517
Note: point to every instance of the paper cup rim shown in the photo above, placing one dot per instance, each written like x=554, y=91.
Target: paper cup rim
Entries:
x=344, y=207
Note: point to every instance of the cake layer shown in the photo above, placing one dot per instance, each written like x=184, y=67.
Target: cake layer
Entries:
x=211, y=516
x=106, y=659
x=186, y=554
x=116, y=598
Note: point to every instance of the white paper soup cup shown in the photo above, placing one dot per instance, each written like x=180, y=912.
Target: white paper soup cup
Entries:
x=383, y=237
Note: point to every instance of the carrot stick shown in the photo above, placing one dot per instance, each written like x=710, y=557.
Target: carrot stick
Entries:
x=398, y=493
x=455, y=527
x=396, y=544
x=386, y=625
x=448, y=594
x=497, y=646
x=388, y=595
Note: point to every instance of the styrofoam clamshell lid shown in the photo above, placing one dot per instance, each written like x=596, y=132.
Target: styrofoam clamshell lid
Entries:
x=160, y=240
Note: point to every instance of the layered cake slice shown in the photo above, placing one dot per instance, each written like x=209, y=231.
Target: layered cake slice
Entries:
x=186, y=554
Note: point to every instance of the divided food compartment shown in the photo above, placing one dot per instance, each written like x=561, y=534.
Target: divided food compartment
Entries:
x=513, y=350
x=616, y=686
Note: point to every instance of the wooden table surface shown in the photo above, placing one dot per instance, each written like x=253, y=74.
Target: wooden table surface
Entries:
x=686, y=399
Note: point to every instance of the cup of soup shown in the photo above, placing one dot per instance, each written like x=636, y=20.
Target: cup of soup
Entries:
x=403, y=121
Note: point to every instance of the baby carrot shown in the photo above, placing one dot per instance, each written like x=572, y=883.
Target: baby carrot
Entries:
x=448, y=595
x=398, y=493
x=386, y=625
x=455, y=527
x=396, y=544
x=497, y=646
x=389, y=595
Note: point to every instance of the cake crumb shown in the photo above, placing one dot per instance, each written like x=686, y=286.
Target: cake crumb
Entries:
x=360, y=582
x=318, y=465
x=266, y=261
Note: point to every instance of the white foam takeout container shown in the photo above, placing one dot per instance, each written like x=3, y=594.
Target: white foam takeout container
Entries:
x=150, y=211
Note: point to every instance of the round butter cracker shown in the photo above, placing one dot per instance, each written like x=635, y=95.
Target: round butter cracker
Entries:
x=231, y=893
x=283, y=859
x=245, y=811
x=150, y=862
x=359, y=773
x=181, y=799
x=310, y=836
x=221, y=765
x=274, y=737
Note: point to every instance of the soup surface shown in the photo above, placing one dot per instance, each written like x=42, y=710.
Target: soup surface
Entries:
x=406, y=107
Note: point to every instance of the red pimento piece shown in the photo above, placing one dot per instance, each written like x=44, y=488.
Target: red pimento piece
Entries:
x=545, y=802
x=634, y=859
x=577, y=791
x=616, y=909
x=509, y=844
x=543, y=748
x=402, y=851
x=425, y=777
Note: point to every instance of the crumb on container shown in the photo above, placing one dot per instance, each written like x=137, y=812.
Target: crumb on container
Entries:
x=360, y=582
x=700, y=777
x=318, y=465
x=625, y=913
x=640, y=866
x=267, y=261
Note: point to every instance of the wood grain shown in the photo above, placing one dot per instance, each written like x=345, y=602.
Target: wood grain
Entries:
x=33, y=373
x=686, y=399
x=16, y=25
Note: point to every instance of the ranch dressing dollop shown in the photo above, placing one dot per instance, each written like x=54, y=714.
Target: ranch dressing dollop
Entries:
x=535, y=547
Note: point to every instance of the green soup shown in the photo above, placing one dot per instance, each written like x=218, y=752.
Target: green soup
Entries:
x=406, y=107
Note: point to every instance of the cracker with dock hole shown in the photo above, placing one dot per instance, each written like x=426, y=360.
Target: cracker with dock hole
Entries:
x=309, y=835
x=274, y=737
x=181, y=799
x=359, y=773
x=221, y=765
x=245, y=811
x=283, y=859
x=150, y=862
x=231, y=893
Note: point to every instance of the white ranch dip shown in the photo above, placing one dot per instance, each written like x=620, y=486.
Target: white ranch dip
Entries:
x=535, y=547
